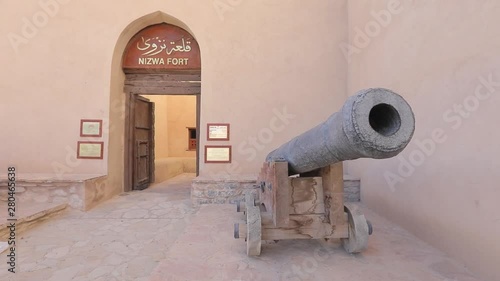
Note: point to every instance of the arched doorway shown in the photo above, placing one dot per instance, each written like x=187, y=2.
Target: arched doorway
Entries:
x=160, y=60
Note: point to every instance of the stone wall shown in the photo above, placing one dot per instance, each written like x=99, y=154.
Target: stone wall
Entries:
x=77, y=193
x=352, y=189
x=46, y=191
x=220, y=191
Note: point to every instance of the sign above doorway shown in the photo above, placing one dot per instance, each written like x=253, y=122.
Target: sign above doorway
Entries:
x=162, y=47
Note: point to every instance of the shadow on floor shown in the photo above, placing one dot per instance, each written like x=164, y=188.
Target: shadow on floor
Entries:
x=178, y=188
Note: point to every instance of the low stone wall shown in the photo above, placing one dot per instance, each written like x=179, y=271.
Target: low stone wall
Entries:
x=79, y=192
x=352, y=189
x=205, y=190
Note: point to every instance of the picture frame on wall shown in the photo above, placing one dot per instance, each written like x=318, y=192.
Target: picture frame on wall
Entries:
x=218, y=131
x=91, y=128
x=218, y=154
x=90, y=150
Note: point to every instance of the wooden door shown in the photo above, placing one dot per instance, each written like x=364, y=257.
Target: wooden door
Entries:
x=142, y=142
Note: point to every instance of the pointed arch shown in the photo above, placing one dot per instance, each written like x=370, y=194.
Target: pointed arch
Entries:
x=117, y=101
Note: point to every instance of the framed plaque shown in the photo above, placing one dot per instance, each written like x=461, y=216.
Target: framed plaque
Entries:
x=90, y=128
x=217, y=154
x=90, y=150
x=217, y=132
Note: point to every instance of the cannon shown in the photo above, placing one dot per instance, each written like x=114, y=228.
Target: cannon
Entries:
x=299, y=191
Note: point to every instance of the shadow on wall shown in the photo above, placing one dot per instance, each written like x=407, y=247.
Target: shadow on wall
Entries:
x=168, y=168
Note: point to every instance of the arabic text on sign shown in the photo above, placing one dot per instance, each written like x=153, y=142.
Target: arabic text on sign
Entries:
x=155, y=46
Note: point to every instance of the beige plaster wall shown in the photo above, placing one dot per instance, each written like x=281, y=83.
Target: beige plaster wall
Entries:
x=181, y=114
x=444, y=187
x=173, y=114
x=258, y=57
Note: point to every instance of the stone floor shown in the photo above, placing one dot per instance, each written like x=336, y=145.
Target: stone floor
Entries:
x=28, y=215
x=122, y=239
x=155, y=235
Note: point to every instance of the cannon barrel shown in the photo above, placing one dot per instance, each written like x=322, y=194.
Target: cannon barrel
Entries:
x=374, y=123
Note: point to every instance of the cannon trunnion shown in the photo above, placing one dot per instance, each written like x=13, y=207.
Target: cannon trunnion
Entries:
x=300, y=189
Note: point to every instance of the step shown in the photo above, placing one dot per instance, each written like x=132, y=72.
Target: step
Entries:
x=28, y=216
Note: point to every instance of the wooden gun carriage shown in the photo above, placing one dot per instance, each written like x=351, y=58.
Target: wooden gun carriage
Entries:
x=300, y=190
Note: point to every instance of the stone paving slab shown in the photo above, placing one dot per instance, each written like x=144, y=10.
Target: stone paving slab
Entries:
x=28, y=216
x=29, y=210
x=207, y=251
x=122, y=239
x=3, y=246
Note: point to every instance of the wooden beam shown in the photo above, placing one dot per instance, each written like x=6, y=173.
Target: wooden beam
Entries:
x=163, y=90
x=163, y=83
x=301, y=227
x=163, y=77
x=161, y=71
x=281, y=193
x=306, y=196
x=333, y=189
x=339, y=232
x=265, y=187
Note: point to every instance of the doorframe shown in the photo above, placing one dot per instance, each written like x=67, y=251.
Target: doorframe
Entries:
x=128, y=146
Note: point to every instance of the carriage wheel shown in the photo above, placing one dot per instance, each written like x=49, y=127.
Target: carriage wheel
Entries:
x=254, y=227
x=359, y=230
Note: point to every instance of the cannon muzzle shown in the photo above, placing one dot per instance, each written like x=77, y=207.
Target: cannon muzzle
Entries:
x=374, y=123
